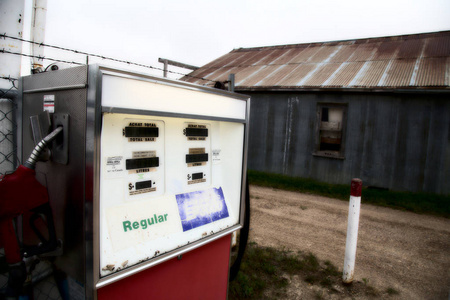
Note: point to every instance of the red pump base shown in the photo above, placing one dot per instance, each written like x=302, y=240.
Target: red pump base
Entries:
x=200, y=274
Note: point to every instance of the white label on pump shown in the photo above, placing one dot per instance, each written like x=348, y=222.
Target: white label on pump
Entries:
x=216, y=156
x=49, y=103
x=114, y=165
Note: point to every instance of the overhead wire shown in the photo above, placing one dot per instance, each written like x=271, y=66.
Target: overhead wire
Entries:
x=87, y=54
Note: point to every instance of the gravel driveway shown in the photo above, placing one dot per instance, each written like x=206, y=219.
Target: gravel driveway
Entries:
x=396, y=249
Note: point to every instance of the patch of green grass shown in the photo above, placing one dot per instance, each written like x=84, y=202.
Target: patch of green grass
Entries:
x=392, y=292
x=259, y=272
x=265, y=274
x=331, y=270
x=424, y=203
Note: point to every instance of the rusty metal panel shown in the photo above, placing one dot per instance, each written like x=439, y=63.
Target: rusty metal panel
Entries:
x=387, y=50
x=222, y=73
x=246, y=73
x=277, y=53
x=257, y=58
x=215, y=75
x=363, y=52
x=410, y=48
x=274, y=78
x=262, y=73
x=324, y=54
x=241, y=59
x=345, y=75
x=439, y=46
x=305, y=55
x=344, y=53
x=288, y=56
x=373, y=73
x=420, y=60
x=300, y=73
x=322, y=73
x=399, y=73
x=432, y=72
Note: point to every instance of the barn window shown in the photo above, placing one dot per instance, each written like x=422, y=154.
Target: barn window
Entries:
x=330, y=130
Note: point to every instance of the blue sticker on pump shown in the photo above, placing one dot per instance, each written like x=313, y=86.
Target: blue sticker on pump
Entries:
x=201, y=207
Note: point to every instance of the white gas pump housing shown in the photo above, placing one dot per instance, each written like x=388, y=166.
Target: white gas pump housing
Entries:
x=171, y=165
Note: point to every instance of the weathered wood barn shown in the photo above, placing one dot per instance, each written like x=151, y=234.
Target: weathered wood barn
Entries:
x=377, y=109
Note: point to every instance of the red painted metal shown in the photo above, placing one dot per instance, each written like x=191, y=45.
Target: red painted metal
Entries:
x=356, y=187
x=200, y=274
x=19, y=193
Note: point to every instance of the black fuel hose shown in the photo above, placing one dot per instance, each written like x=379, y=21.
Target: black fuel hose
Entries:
x=243, y=238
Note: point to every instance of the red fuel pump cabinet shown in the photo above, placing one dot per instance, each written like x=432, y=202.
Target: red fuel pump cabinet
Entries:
x=199, y=274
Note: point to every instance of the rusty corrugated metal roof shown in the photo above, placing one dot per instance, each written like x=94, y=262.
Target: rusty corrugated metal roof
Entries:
x=398, y=62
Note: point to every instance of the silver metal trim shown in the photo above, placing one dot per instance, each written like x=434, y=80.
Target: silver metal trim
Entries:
x=244, y=163
x=163, y=258
x=58, y=88
x=117, y=110
x=92, y=165
x=415, y=90
x=170, y=82
x=19, y=123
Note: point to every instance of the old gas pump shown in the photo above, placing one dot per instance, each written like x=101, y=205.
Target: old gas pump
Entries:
x=147, y=183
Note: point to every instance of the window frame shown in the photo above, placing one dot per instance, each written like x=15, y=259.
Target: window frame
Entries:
x=330, y=153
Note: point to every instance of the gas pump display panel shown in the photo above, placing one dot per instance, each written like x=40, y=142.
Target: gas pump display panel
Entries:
x=167, y=180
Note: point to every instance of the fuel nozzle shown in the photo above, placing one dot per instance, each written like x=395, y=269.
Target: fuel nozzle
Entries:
x=40, y=147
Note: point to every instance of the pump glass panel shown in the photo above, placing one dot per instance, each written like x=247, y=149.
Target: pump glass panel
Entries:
x=165, y=182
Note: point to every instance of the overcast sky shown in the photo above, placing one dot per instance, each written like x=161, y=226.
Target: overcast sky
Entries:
x=198, y=31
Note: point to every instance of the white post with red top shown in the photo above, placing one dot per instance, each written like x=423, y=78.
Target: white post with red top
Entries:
x=352, y=230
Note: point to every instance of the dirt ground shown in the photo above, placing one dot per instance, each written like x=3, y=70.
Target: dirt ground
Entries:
x=404, y=251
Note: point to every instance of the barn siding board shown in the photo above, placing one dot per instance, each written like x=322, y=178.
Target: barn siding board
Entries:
x=379, y=133
x=258, y=138
x=439, y=131
x=304, y=138
x=446, y=186
x=400, y=148
x=353, y=138
x=395, y=141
